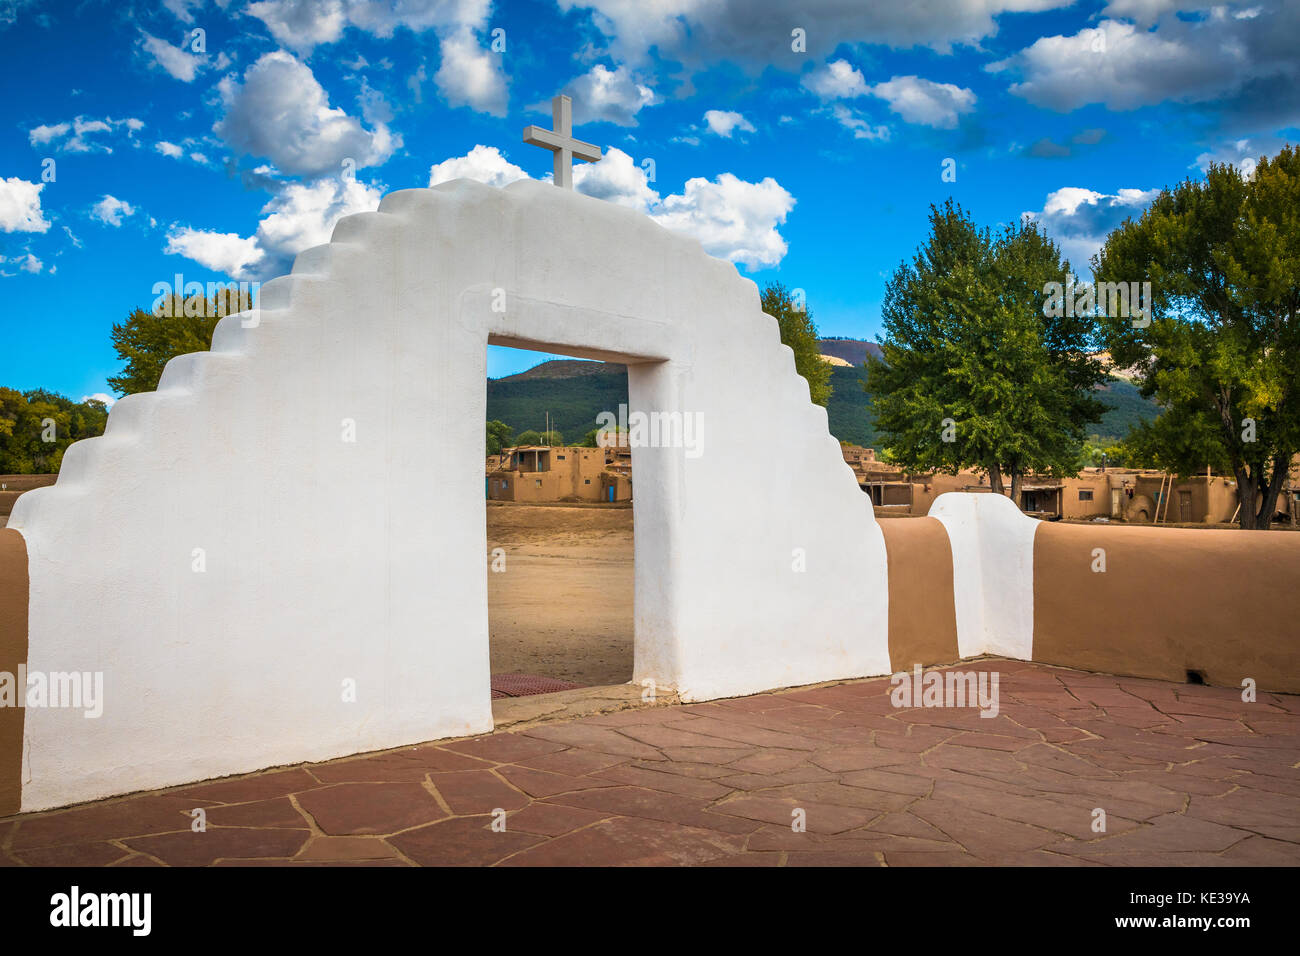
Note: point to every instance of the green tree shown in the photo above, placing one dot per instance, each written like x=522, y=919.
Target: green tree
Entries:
x=533, y=437
x=36, y=428
x=498, y=436
x=975, y=373
x=798, y=331
x=147, y=340
x=1220, y=349
x=1099, y=452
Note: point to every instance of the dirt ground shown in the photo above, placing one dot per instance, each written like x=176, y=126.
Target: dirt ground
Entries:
x=563, y=606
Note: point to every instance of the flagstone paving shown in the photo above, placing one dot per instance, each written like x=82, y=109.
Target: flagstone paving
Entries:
x=1185, y=775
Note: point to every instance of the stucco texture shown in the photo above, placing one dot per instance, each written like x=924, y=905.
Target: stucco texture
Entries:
x=922, y=618
x=1223, y=604
x=183, y=553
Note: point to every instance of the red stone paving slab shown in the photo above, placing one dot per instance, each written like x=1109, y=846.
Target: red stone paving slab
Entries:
x=1187, y=775
x=463, y=841
x=189, y=848
x=406, y=765
x=279, y=812
x=477, y=791
x=349, y=809
x=625, y=841
x=78, y=854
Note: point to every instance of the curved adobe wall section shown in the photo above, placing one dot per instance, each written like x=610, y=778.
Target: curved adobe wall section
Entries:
x=13, y=652
x=922, y=616
x=992, y=545
x=1225, y=604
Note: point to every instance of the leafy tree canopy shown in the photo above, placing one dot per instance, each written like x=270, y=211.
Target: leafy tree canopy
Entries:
x=147, y=340
x=975, y=371
x=798, y=331
x=1220, y=351
x=37, y=426
x=533, y=437
x=498, y=436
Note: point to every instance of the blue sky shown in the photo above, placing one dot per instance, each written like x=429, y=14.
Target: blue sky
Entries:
x=216, y=139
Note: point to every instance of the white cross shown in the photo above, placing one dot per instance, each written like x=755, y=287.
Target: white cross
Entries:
x=560, y=141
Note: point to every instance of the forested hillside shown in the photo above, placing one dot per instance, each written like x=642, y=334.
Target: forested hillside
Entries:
x=573, y=392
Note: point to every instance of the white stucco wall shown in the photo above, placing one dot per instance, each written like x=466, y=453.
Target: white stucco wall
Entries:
x=993, y=573
x=240, y=453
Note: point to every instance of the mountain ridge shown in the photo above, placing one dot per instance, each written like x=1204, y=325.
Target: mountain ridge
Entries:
x=573, y=391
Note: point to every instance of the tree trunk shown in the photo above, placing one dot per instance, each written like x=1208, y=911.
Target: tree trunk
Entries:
x=1016, y=479
x=995, y=479
x=1247, y=495
x=1264, y=518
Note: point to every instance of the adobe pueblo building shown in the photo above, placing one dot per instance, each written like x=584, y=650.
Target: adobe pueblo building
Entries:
x=1121, y=494
x=532, y=473
x=182, y=555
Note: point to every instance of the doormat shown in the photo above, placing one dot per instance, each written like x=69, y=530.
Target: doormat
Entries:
x=525, y=685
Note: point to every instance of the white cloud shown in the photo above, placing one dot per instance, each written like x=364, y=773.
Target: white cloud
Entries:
x=281, y=112
x=25, y=262
x=732, y=218
x=925, y=102
x=303, y=24
x=180, y=9
x=180, y=64
x=838, y=80
x=169, y=149
x=1080, y=219
x=44, y=134
x=856, y=124
x=605, y=95
x=1145, y=12
x=76, y=136
x=471, y=75
x=225, y=252
x=104, y=397
x=724, y=123
x=616, y=178
x=110, y=210
x=1113, y=63
x=1244, y=154
x=302, y=215
x=1240, y=62
x=485, y=164
x=20, y=206
x=757, y=35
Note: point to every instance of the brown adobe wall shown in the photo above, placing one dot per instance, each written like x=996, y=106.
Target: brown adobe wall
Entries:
x=1225, y=604
x=922, y=612
x=13, y=651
